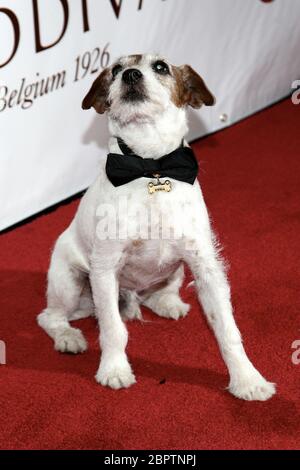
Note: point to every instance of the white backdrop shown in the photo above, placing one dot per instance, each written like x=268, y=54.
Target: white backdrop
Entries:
x=246, y=50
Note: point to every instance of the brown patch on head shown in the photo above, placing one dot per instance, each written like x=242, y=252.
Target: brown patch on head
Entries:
x=137, y=243
x=134, y=59
x=190, y=89
x=98, y=94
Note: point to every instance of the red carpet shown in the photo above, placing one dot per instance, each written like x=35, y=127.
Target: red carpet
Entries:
x=250, y=175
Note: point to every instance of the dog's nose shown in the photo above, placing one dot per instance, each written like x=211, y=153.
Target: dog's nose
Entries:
x=131, y=76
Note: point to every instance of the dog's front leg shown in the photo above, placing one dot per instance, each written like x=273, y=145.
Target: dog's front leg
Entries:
x=114, y=370
x=214, y=293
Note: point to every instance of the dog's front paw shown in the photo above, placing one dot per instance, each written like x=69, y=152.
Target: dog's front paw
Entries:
x=70, y=340
x=115, y=374
x=252, y=387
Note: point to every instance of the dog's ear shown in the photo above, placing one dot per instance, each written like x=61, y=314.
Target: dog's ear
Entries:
x=98, y=94
x=195, y=92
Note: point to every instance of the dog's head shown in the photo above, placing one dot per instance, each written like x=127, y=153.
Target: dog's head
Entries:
x=143, y=86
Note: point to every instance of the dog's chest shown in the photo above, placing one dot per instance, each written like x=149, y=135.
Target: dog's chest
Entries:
x=147, y=263
x=153, y=216
x=153, y=229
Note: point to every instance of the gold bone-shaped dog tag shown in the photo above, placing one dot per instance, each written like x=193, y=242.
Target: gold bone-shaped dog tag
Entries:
x=159, y=185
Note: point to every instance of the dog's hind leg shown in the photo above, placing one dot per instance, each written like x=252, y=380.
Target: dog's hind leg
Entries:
x=65, y=284
x=129, y=304
x=86, y=306
x=166, y=302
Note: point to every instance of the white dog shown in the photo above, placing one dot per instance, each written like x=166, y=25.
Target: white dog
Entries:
x=146, y=99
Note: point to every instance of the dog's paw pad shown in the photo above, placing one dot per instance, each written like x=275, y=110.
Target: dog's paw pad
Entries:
x=256, y=388
x=70, y=340
x=116, y=377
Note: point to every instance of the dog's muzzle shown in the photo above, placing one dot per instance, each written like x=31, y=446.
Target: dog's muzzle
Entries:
x=133, y=86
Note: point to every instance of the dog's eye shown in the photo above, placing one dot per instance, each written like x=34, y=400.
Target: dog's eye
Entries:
x=116, y=69
x=161, y=67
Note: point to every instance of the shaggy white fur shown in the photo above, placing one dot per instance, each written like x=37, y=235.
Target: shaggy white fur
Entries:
x=106, y=263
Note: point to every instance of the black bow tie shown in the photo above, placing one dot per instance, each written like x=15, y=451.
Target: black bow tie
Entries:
x=180, y=165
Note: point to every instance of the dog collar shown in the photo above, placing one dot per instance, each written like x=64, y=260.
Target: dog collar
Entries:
x=180, y=165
